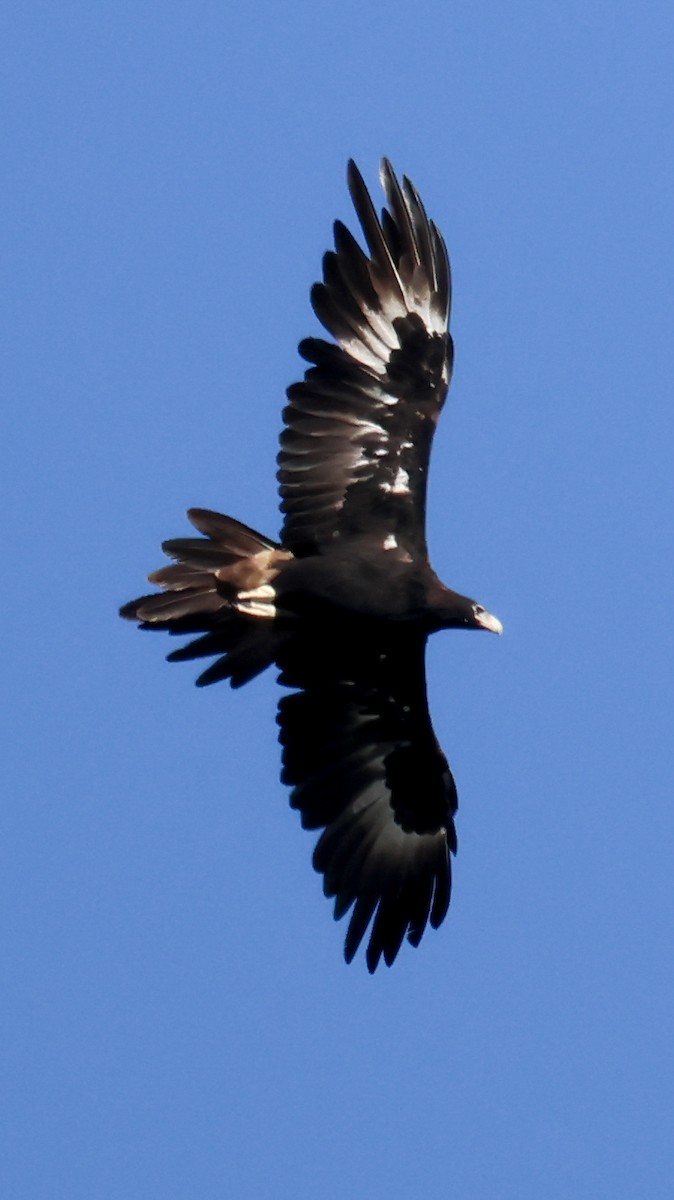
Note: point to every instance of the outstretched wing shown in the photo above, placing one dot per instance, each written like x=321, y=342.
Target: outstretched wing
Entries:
x=365, y=766
x=355, y=451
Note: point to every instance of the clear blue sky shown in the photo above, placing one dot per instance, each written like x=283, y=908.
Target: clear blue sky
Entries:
x=177, y=1020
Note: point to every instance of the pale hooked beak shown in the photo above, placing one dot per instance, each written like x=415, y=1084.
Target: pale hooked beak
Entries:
x=486, y=621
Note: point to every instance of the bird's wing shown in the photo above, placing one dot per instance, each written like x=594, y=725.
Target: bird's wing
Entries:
x=365, y=766
x=358, y=430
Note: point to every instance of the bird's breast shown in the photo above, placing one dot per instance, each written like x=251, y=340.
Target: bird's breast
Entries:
x=357, y=580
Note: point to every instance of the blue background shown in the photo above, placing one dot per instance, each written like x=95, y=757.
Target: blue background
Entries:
x=177, y=1018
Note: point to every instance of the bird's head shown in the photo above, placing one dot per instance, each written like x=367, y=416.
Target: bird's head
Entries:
x=460, y=612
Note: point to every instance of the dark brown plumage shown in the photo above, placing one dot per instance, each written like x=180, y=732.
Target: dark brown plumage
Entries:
x=345, y=602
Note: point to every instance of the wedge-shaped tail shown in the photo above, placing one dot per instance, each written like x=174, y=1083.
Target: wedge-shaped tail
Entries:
x=221, y=586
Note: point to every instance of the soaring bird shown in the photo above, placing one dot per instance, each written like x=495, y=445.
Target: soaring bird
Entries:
x=344, y=602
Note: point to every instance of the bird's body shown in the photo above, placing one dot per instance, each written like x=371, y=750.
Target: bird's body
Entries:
x=357, y=580
x=345, y=602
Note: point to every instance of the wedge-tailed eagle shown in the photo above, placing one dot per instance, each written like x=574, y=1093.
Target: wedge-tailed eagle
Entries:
x=344, y=602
